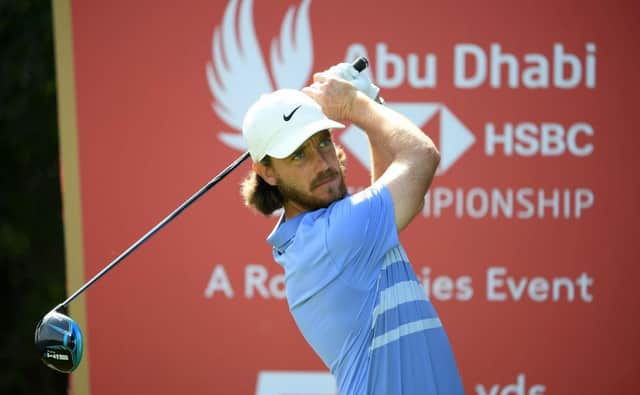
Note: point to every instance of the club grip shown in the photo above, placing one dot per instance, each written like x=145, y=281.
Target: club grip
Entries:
x=360, y=63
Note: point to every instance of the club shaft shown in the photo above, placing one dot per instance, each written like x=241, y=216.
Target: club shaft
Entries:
x=156, y=228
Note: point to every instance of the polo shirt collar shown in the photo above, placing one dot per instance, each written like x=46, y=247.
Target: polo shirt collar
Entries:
x=284, y=230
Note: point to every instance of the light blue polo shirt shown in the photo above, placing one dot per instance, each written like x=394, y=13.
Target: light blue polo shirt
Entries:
x=357, y=301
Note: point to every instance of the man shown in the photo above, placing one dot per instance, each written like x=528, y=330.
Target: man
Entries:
x=349, y=284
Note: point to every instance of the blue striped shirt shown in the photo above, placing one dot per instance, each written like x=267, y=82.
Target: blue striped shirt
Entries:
x=357, y=301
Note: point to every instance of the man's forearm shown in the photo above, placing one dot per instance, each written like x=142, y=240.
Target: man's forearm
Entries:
x=380, y=159
x=391, y=135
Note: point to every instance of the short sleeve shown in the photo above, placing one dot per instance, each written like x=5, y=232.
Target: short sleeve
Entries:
x=360, y=230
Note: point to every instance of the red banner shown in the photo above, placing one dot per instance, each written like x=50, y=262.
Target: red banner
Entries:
x=527, y=241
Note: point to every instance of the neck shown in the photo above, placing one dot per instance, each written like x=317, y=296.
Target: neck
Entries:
x=292, y=209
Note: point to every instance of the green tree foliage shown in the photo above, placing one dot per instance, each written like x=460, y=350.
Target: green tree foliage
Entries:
x=31, y=239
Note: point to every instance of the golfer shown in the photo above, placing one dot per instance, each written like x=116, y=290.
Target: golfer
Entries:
x=349, y=284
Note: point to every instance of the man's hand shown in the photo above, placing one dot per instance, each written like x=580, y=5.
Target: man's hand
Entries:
x=347, y=72
x=336, y=96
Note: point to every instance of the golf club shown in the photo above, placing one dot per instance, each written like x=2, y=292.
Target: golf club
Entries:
x=58, y=337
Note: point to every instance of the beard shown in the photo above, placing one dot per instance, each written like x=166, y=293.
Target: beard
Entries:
x=307, y=200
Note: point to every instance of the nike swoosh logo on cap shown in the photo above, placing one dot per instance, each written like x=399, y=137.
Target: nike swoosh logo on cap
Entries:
x=288, y=117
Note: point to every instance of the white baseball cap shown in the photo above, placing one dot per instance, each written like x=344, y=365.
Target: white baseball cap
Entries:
x=279, y=122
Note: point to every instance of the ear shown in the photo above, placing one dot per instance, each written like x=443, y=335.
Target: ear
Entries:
x=266, y=172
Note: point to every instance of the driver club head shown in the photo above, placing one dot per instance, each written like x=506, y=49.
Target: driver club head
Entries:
x=59, y=341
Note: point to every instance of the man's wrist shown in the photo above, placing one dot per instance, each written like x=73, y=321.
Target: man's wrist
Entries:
x=363, y=110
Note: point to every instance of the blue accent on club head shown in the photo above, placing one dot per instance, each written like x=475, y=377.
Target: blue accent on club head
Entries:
x=78, y=344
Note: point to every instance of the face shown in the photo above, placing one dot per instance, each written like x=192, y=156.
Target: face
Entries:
x=310, y=178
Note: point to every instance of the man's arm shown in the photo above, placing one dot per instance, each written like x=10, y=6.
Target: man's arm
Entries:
x=381, y=156
x=403, y=157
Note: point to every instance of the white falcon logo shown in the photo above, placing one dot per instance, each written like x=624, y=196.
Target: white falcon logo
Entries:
x=237, y=74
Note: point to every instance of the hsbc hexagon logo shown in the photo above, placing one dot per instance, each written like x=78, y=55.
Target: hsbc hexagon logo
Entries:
x=237, y=75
